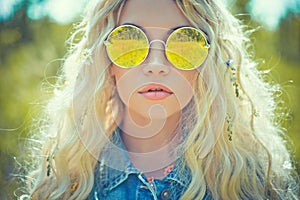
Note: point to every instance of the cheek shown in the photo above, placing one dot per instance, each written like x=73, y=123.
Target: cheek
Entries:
x=190, y=76
x=125, y=83
x=188, y=88
x=121, y=78
x=117, y=72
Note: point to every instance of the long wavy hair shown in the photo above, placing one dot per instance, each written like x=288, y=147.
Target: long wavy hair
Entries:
x=235, y=115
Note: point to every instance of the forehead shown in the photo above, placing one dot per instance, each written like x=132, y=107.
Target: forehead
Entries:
x=153, y=13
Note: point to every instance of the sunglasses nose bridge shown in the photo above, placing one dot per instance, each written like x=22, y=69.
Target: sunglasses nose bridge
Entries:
x=155, y=46
x=156, y=60
x=156, y=53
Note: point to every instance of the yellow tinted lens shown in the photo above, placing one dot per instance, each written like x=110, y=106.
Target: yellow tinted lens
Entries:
x=186, y=48
x=127, y=46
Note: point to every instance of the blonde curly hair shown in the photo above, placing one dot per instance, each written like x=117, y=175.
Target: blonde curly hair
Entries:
x=246, y=151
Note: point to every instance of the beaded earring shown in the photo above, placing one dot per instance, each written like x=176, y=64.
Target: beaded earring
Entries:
x=229, y=127
x=48, y=166
x=233, y=78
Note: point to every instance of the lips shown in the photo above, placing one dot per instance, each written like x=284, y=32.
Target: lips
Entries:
x=155, y=92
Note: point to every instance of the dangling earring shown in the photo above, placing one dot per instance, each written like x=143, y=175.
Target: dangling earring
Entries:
x=48, y=166
x=229, y=127
x=233, y=78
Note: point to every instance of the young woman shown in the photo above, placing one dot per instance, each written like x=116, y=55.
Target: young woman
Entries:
x=161, y=100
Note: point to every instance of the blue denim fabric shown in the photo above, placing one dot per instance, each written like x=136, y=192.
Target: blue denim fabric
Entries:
x=116, y=177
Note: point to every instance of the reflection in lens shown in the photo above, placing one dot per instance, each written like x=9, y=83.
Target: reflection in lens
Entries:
x=186, y=48
x=127, y=46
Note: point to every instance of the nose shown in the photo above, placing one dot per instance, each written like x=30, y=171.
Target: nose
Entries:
x=156, y=62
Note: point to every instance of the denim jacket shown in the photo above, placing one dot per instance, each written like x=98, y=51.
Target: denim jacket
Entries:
x=116, y=178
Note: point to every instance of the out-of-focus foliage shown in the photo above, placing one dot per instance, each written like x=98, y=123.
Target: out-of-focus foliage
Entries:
x=30, y=53
x=279, y=54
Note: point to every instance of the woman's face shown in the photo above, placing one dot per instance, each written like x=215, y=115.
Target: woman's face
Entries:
x=157, y=18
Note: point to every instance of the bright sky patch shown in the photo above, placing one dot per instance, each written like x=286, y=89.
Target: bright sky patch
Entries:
x=267, y=12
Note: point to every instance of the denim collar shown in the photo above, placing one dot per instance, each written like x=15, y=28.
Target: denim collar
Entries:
x=114, y=166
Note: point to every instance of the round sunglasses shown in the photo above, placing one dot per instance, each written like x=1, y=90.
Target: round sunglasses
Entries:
x=127, y=46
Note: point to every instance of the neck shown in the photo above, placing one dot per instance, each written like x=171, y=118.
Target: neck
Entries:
x=145, y=135
x=151, y=144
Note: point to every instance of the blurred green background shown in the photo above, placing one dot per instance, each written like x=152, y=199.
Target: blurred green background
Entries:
x=32, y=43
